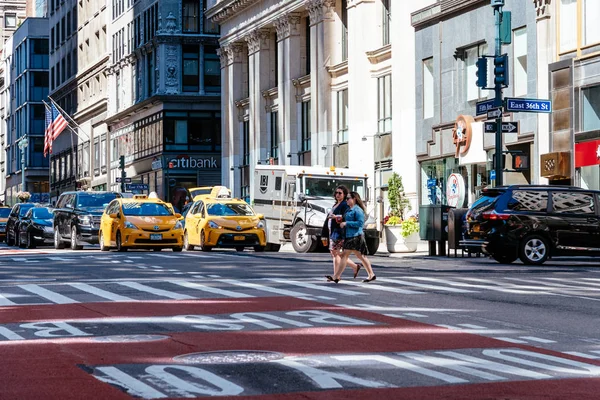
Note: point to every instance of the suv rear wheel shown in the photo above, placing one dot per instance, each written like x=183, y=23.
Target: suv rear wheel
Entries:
x=534, y=250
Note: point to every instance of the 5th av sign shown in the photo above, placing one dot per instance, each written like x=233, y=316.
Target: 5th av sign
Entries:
x=507, y=127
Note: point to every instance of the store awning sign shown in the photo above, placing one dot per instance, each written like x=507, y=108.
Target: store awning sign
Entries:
x=587, y=153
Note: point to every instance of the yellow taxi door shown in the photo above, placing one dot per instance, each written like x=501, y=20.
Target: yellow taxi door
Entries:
x=191, y=223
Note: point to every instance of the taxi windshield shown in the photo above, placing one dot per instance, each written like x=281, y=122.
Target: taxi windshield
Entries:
x=4, y=212
x=229, y=209
x=140, y=209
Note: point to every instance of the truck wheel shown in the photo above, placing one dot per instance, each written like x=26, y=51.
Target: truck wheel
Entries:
x=272, y=247
x=372, y=245
x=301, y=240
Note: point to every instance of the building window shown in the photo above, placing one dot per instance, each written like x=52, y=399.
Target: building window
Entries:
x=307, y=50
x=10, y=20
x=428, y=102
x=344, y=30
x=212, y=70
x=520, y=62
x=387, y=20
x=572, y=11
x=342, y=116
x=306, y=126
x=197, y=131
x=190, y=15
x=208, y=25
x=384, y=104
x=591, y=108
x=470, y=78
x=274, y=136
x=191, y=66
x=246, y=143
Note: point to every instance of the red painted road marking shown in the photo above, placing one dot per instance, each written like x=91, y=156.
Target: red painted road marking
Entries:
x=59, y=368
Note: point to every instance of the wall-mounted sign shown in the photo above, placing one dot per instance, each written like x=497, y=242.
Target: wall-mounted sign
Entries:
x=455, y=190
x=188, y=162
x=461, y=134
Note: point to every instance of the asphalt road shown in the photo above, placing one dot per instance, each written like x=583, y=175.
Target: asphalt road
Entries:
x=173, y=325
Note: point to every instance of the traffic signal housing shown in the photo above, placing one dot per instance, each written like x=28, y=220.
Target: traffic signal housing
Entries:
x=501, y=70
x=122, y=162
x=481, y=64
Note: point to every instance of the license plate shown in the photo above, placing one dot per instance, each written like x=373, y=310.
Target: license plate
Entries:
x=155, y=236
x=239, y=238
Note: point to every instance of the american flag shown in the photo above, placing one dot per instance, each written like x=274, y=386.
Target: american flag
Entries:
x=55, y=124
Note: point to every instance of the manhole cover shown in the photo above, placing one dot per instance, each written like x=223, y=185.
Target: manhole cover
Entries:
x=229, y=357
x=129, y=338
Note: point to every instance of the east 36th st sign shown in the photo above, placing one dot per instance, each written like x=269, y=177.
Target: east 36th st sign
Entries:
x=507, y=127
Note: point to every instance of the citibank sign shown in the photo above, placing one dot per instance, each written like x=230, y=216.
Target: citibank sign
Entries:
x=193, y=162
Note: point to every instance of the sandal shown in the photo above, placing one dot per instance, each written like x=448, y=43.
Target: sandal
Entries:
x=358, y=267
x=330, y=279
x=370, y=279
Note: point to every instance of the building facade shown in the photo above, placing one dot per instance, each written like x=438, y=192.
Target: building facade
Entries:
x=318, y=82
x=164, y=87
x=26, y=64
x=12, y=14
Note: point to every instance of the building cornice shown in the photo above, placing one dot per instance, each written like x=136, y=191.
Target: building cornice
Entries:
x=441, y=10
x=382, y=54
x=338, y=69
x=226, y=9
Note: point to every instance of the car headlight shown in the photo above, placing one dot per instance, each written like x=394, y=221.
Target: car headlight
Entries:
x=260, y=225
x=129, y=225
x=213, y=225
x=85, y=220
x=178, y=225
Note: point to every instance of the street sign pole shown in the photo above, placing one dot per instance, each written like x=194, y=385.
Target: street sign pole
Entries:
x=497, y=5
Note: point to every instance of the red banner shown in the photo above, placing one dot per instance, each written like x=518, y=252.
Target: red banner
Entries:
x=587, y=153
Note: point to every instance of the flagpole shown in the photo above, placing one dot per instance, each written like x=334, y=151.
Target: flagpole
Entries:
x=64, y=113
x=50, y=159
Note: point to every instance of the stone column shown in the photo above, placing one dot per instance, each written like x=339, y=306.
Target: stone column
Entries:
x=288, y=42
x=231, y=89
x=321, y=52
x=546, y=48
x=258, y=68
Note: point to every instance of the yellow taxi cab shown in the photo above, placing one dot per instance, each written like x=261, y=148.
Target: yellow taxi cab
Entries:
x=226, y=222
x=140, y=222
x=216, y=192
x=4, y=213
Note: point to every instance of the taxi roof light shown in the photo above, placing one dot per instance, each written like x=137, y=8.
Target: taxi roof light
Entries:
x=140, y=196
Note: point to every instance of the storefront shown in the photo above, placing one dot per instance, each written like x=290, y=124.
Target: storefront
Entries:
x=587, y=164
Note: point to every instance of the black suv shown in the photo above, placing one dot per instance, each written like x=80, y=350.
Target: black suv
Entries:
x=534, y=223
x=14, y=219
x=77, y=217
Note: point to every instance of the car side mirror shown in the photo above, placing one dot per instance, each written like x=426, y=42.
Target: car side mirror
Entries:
x=178, y=216
x=113, y=215
x=301, y=197
x=260, y=216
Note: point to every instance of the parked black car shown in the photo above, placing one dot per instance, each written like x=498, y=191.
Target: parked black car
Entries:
x=534, y=223
x=77, y=217
x=36, y=228
x=14, y=219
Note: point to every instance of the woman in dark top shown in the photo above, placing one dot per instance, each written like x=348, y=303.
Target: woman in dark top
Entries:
x=333, y=231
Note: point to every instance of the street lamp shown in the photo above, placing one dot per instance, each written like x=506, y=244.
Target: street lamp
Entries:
x=23, y=143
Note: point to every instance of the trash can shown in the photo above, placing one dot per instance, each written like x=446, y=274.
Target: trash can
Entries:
x=433, y=226
x=456, y=228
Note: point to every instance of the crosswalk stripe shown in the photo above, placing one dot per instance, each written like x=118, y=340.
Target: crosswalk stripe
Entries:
x=99, y=292
x=158, y=292
x=536, y=339
x=48, y=294
x=209, y=289
x=5, y=302
x=59, y=259
x=319, y=287
x=583, y=355
x=264, y=288
x=510, y=340
x=372, y=286
x=426, y=286
x=165, y=256
x=489, y=285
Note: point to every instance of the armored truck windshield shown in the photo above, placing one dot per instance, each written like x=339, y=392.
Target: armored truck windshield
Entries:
x=319, y=186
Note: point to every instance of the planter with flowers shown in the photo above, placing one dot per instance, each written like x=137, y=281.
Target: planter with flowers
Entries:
x=23, y=196
x=401, y=234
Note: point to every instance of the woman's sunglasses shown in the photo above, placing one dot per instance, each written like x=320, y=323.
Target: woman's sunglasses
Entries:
x=349, y=197
x=339, y=192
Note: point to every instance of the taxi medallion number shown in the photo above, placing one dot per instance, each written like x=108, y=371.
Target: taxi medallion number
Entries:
x=155, y=236
x=239, y=238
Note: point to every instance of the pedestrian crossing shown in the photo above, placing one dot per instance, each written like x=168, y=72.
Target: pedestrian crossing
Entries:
x=196, y=286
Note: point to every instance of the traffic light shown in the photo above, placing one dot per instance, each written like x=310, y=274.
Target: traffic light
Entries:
x=502, y=161
x=501, y=70
x=481, y=72
x=122, y=162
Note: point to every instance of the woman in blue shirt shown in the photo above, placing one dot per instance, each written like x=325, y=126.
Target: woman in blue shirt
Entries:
x=355, y=243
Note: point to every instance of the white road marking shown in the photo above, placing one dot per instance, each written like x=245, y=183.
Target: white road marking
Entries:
x=5, y=302
x=373, y=286
x=59, y=259
x=536, y=339
x=166, y=256
x=264, y=288
x=425, y=286
x=214, y=276
x=209, y=289
x=99, y=292
x=471, y=326
x=416, y=315
x=158, y=292
x=510, y=340
x=135, y=387
x=48, y=294
x=583, y=355
x=319, y=287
